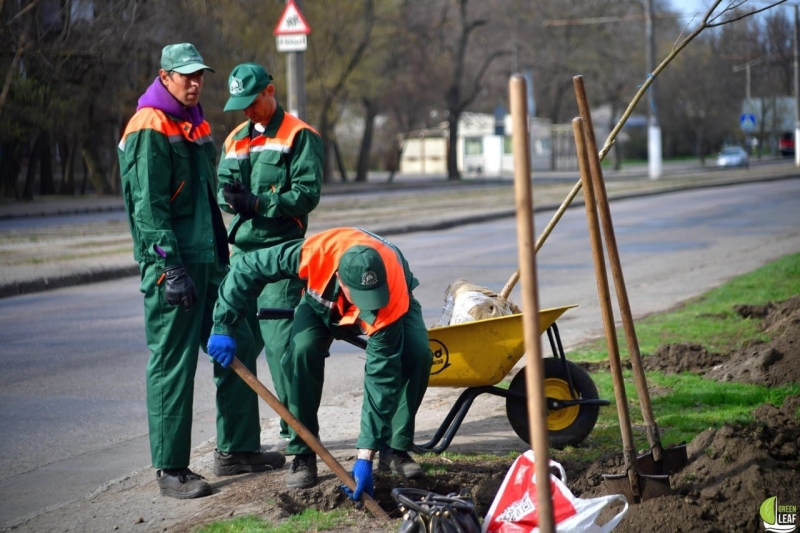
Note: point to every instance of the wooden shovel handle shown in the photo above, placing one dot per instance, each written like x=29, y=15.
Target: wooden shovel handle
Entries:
x=303, y=432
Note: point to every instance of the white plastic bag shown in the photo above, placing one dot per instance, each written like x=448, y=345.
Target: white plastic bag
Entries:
x=514, y=508
x=473, y=305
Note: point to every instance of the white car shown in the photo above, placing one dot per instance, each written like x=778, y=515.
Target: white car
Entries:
x=733, y=156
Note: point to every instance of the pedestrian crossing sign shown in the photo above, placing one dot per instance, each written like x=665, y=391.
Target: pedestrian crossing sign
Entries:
x=747, y=122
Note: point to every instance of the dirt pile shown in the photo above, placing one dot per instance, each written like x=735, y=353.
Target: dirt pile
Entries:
x=772, y=363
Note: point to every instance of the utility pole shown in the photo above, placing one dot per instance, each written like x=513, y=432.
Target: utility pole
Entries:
x=796, y=87
x=653, y=129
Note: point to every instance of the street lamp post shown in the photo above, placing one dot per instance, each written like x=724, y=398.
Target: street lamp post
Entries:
x=796, y=87
x=653, y=129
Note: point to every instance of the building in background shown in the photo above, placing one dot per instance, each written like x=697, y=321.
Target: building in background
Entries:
x=484, y=147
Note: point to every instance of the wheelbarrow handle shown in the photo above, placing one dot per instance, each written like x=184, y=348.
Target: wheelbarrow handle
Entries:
x=277, y=313
x=274, y=313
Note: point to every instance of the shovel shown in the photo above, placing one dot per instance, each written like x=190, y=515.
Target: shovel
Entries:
x=635, y=486
x=658, y=460
x=306, y=435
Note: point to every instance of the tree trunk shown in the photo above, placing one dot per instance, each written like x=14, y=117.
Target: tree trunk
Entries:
x=46, y=185
x=701, y=153
x=452, y=144
x=340, y=161
x=366, y=141
x=10, y=167
x=327, y=143
x=617, y=148
x=94, y=170
x=30, y=177
x=68, y=166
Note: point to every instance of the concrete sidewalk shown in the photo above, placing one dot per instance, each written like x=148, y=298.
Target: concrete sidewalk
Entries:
x=37, y=257
x=42, y=206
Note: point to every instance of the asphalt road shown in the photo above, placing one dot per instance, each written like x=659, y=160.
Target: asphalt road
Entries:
x=72, y=391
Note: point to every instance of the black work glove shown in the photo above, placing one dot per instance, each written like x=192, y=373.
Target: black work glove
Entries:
x=179, y=288
x=240, y=199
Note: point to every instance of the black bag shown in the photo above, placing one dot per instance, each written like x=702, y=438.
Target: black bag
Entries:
x=428, y=512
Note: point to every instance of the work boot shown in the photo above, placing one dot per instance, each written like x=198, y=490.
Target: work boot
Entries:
x=399, y=462
x=229, y=464
x=303, y=473
x=182, y=483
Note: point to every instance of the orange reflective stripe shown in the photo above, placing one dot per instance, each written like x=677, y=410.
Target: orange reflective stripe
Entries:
x=150, y=118
x=282, y=142
x=230, y=141
x=319, y=261
x=177, y=192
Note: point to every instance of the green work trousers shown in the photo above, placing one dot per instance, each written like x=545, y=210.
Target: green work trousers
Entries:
x=304, y=367
x=174, y=337
x=273, y=335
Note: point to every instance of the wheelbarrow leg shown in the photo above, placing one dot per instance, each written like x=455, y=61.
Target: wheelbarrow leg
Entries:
x=451, y=422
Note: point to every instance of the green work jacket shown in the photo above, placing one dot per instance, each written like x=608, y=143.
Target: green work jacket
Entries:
x=167, y=171
x=254, y=270
x=282, y=166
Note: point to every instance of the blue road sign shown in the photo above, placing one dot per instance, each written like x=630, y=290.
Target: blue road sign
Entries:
x=747, y=122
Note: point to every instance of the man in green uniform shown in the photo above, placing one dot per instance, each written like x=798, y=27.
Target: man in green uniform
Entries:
x=357, y=283
x=270, y=176
x=167, y=160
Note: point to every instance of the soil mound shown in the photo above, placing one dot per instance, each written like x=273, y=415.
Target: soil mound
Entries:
x=772, y=363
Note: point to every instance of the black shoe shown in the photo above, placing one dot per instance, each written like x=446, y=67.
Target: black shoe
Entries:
x=399, y=462
x=182, y=483
x=229, y=464
x=303, y=473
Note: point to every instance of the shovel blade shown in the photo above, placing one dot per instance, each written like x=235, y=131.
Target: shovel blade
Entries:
x=673, y=460
x=649, y=487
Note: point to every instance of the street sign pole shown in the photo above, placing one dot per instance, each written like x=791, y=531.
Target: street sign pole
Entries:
x=295, y=89
x=292, y=37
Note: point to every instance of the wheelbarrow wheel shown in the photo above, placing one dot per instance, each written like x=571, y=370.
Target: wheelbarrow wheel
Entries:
x=567, y=426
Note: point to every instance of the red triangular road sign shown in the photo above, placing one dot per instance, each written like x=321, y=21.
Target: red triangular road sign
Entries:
x=292, y=22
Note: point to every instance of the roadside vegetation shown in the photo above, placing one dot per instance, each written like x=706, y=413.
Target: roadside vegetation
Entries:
x=684, y=404
x=369, y=82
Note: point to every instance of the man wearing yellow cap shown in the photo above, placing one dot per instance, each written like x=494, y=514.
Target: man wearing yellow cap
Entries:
x=270, y=176
x=357, y=283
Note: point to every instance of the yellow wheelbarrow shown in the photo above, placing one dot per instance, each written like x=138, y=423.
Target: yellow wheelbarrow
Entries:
x=478, y=355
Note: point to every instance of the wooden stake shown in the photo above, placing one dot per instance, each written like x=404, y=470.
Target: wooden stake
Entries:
x=534, y=367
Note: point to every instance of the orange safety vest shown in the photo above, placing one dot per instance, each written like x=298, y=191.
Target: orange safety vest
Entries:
x=150, y=118
x=319, y=261
x=282, y=142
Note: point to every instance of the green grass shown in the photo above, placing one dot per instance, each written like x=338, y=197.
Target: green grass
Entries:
x=308, y=520
x=686, y=404
x=710, y=320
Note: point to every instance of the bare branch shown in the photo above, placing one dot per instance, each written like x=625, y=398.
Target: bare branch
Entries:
x=476, y=86
x=22, y=11
x=728, y=21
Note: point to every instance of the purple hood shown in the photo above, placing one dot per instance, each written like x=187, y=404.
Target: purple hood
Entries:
x=158, y=96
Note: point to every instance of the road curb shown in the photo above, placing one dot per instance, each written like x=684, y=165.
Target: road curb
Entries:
x=19, y=288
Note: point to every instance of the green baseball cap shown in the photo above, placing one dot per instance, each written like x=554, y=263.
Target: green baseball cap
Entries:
x=362, y=271
x=182, y=58
x=244, y=84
